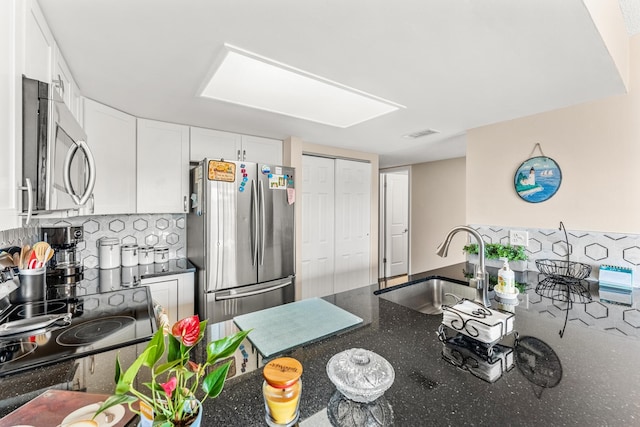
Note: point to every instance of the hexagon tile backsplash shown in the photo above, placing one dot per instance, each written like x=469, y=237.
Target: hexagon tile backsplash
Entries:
x=143, y=230
x=588, y=247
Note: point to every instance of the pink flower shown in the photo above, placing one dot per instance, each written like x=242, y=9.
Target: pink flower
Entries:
x=169, y=386
x=187, y=330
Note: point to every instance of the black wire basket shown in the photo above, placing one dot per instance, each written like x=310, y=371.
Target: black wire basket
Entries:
x=563, y=269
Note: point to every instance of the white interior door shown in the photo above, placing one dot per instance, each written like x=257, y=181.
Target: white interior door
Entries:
x=317, y=226
x=397, y=223
x=353, y=221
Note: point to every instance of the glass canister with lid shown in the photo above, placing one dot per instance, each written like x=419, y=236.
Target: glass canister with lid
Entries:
x=281, y=389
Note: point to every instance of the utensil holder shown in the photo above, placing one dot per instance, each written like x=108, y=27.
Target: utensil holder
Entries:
x=32, y=286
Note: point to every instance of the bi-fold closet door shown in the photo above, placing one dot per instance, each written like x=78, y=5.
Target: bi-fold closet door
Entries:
x=336, y=220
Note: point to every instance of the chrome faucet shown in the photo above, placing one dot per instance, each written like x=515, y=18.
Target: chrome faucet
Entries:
x=480, y=280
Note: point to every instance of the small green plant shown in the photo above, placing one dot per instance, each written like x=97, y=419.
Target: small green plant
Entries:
x=497, y=251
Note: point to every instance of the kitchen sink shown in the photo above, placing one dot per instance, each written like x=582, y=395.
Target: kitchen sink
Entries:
x=428, y=295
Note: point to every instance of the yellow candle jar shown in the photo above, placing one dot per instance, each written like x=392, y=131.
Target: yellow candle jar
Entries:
x=281, y=389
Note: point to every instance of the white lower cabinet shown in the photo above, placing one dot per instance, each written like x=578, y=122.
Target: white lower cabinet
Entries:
x=162, y=167
x=95, y=371
x=175, y=293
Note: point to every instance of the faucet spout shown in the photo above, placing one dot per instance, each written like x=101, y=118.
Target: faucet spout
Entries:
x=481, y=281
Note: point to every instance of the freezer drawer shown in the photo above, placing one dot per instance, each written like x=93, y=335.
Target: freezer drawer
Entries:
x=224, y=305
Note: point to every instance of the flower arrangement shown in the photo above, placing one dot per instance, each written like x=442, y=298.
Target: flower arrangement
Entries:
x=175, y=379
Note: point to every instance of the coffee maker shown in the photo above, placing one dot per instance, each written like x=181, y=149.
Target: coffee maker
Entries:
x=64, y=241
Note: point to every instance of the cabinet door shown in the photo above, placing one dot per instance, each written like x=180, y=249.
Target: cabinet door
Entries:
x=162, y=167
x=261, y=150
x=214, y=144
x=165, y=293
x=111, y=135
x=185, y=295
x=10, y=114
x=174, y=293
x=38, y=45
x=62, y=80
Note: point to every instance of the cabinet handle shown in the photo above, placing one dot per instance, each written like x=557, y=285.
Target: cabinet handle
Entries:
x=29, y=189
x=239, y=155
x=244, y=154
x=92, y=368
x=60, y=83
x=185, y=203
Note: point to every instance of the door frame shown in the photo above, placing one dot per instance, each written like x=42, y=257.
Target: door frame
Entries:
x=382, y=233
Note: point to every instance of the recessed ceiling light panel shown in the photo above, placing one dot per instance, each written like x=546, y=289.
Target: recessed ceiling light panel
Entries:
x=254, y=81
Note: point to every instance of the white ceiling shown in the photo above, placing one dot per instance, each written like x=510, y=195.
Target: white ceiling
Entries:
x=455, y=64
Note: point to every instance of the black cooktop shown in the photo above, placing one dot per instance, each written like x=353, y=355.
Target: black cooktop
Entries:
x=44, y=332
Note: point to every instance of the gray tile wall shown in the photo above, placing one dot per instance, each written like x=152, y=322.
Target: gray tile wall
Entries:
x=152, y=230
x=593, y=248
x=588, y=247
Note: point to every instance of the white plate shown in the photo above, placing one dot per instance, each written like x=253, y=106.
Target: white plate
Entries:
x=86, y=413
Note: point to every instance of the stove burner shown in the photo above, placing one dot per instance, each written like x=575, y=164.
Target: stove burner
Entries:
x=93, y=330
x=33, y=309
x=13, y=351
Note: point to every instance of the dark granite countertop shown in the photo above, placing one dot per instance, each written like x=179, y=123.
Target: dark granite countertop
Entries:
x=598, y=384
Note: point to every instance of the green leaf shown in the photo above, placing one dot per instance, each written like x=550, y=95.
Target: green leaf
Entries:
x=160, y=369
x=214, y=382
x=203, y=329
x=130, y=374
x=225, y=347
x=157, y=343
x=113, y=401
x=118, y=369
x=174, y=352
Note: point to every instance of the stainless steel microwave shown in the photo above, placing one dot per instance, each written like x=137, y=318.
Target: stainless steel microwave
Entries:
x=57, y=165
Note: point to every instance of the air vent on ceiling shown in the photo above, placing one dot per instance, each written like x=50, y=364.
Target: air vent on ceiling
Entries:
x=421, y=133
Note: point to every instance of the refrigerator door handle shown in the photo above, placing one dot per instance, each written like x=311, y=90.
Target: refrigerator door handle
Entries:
x=263, y=225
x=254, y=233
x=251, y=293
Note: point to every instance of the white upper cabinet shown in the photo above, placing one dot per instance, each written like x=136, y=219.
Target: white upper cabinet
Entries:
x=231, y=146
x=111, y=135
x=10, y=114
x=43, y=59
x=215, y=144
x=38, y=44
x=261, y=150
x=162, y=167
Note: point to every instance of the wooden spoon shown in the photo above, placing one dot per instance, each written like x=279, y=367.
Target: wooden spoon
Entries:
x=23, y=256
x=40, y=250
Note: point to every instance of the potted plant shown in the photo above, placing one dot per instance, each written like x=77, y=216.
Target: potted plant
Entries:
x=170, y=399
x=516, y=255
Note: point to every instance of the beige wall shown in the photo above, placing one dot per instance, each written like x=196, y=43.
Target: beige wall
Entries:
x=294, y=149
x=597, y=146
x=437, y=205
x=610, y=24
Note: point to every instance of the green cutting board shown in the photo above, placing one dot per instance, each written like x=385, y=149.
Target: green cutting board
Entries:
x=282, y=328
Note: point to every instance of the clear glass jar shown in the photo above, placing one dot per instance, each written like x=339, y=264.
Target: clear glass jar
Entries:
x=282, y=388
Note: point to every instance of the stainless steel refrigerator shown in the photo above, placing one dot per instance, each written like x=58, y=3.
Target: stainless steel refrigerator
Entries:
x=241, y=237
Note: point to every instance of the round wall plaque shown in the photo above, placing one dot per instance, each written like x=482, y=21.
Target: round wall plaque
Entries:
x=537, y=179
